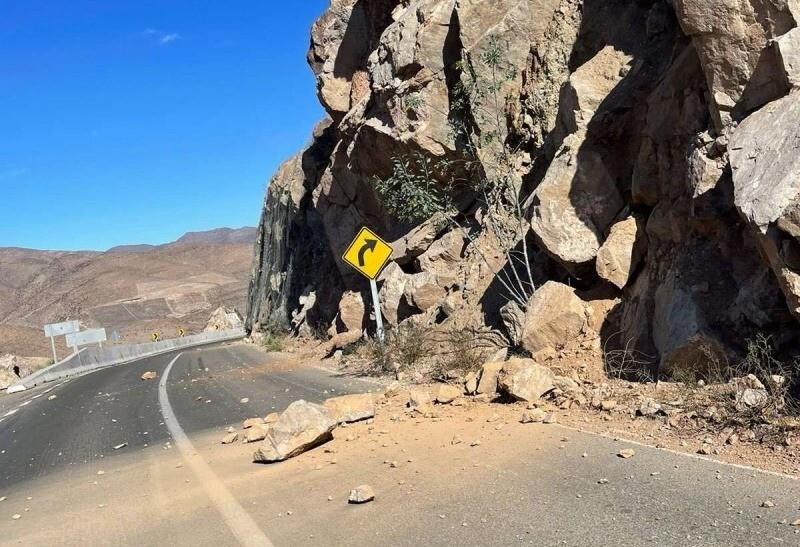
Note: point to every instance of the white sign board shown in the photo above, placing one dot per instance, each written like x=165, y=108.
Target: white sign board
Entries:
x=60, y=329
x=90, y=336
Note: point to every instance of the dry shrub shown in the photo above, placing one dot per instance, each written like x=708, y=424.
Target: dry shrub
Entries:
x=405, y=349
x=460, y=352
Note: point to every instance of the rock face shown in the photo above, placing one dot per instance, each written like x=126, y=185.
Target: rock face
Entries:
x=301, y=426
x=651, y=147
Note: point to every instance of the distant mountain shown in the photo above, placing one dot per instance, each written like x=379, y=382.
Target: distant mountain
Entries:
x=141, y=248
x=220, y=236
x=133, y=290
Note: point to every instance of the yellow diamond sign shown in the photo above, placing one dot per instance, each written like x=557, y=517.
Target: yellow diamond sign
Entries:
x=368, y=253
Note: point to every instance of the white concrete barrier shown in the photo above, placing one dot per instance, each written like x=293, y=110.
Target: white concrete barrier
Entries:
x=89, y=359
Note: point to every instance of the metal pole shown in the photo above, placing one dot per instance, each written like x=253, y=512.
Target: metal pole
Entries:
x=376, y=304
x=53, y=345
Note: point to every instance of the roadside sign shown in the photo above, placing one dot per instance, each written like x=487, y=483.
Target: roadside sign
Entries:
x=181, y=333
x=368, y=253
x=156, y=337
x=60, y=329
x=86, y=337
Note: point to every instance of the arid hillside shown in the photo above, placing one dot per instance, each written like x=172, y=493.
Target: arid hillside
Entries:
x=132, y=291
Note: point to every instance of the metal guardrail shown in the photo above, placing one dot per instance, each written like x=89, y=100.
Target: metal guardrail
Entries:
x=89, y=359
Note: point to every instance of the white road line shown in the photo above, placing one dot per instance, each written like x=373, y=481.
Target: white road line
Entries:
x=10, y=412
x=238, y=520
x=620, y=438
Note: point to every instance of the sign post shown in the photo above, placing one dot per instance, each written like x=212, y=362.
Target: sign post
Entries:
x=60, y=329
x=86, y=337
x=368, y=254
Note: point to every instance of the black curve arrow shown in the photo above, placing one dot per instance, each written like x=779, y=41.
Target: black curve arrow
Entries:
x=369, y=245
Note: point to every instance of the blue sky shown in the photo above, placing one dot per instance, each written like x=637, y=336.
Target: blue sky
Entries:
x=135, y=121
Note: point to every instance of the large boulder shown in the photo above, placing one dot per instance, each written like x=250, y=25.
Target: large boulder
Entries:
x=730, y=37
x=765, y=159
x=554, y=317
x=302, y=426
x=351, y=408
x=789, y=54
x=621, y=252
x=394, y=281
x=351, y=313
x=525, y=380
x=487, y=382
x=574, y=205
x=424, y=290
x=578, y=198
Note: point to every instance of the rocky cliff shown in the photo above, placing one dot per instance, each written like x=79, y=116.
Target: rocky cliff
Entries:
x=641, y=159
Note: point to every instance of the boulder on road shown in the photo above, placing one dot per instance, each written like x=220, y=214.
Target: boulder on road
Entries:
x=302, y=426
x=351, y=408
x=525, y=380
x=149, y=375
x=555, y=316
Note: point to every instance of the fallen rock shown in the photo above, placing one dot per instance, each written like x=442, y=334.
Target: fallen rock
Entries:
x=621, y=252
x=392, y=390
x=272, y=417
x=570, y=229
x=487, y=383
x=471, y=383
x=533, y=416
x=230, y=438
x=302, y=426
x=418, y=397
x=250, y=422
x=351, y=408
x=626, y=453
x=447, y=394
x=649, y=407
x=751, y=398
x=255, y=433
x=361, y=494
x=149, y=375
x=525, y=380
x=608, y=405
x=555, y=316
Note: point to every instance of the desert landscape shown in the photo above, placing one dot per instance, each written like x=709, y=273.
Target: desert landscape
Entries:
x=132, y=291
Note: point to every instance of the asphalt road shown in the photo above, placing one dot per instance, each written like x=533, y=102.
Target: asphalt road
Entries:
x=92, y=414
x=524, y=484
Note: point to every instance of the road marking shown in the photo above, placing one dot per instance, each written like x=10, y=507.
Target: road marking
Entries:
x=679, y=453
x=238, y=520
x=10, y=412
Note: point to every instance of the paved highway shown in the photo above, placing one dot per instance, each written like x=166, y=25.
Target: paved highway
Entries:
x=82, y=420
x=524, y=484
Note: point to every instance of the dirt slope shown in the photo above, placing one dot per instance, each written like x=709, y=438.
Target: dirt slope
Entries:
x=134, y=292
